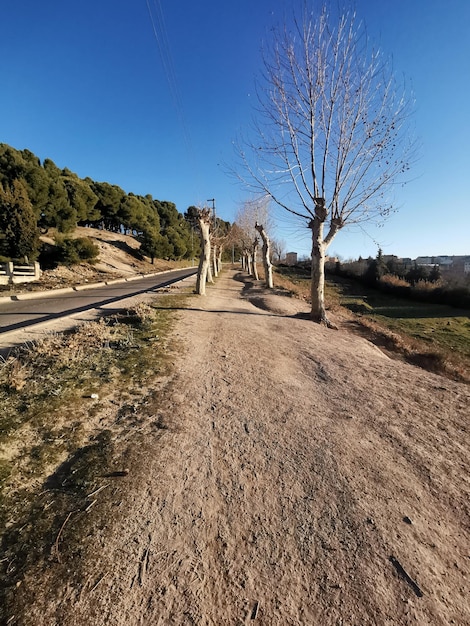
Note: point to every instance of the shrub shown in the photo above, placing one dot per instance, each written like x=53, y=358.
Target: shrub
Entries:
x=86, y=249
x=67, y=251
x=394, y=285
x=73, y=251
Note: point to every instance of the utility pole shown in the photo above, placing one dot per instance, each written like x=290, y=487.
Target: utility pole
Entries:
x=213, y=209
x=192, y=243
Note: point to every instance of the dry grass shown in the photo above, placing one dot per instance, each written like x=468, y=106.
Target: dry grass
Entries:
x=69, y=404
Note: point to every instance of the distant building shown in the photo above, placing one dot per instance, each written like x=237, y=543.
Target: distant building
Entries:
x=291, y=258
x=451, y=265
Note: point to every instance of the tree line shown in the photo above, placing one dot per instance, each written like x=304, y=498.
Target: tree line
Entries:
x=36, y=196
x=415, y=282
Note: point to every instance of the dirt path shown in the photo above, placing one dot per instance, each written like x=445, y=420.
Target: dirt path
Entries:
x=296, y=463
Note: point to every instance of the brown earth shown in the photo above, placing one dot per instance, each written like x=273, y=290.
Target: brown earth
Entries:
x=298, y=476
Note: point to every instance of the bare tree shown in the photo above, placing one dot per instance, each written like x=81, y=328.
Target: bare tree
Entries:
x=204, y=222
x=220, y=238
x=248, y=217
x=278, y=246
x=331, y=137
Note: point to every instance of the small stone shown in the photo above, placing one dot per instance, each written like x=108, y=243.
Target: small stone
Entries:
x=407, y=520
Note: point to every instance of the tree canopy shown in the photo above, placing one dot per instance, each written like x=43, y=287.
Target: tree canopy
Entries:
x=58, y=198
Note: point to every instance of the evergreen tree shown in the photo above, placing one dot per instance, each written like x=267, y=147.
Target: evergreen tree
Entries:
x=81, y=197
x=376, y=269
x=18, y=228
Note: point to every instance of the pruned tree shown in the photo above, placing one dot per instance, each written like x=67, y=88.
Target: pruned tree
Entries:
x=254, y=253
x=332, y=134
x=234, y=239
x=268, y=268
x=249, y=215
x=220, y=237
x=203, y=219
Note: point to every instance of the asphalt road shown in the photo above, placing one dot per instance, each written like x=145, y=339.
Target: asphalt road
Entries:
x=21, y=315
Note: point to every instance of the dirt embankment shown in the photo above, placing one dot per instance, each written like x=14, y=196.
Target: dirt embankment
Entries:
x=118, y=257
x=302, y=477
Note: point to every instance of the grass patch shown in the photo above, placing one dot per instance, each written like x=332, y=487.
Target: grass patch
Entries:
x=445, y=327
x=433, y=336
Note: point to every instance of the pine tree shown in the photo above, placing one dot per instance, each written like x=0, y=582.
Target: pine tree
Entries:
x=18, y=228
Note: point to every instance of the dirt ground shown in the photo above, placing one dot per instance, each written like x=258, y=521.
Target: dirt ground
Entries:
x=302, y=477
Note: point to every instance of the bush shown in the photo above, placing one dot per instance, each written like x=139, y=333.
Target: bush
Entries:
x=68, y=251
x=394, y=285
x=85, y=248
x=422, y=290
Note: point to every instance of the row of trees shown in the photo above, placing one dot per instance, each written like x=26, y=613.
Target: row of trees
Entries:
x=36, y=196
x=371, y=270
x=219, y=239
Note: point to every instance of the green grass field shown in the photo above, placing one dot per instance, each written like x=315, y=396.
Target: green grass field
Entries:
x=440, y=326
x=441, y=333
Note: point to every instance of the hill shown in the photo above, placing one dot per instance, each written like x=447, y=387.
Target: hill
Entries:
x=119, y=256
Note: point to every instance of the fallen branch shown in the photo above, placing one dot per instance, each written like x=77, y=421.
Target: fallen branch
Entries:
x=406, y=577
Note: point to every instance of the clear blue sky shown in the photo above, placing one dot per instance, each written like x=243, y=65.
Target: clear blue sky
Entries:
x=85, y=84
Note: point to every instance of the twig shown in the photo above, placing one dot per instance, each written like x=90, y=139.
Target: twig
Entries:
x=93, y=493
x=406, y=577
x=143, y=566
x=99, y=581
x=90, y=505
x=56, y=544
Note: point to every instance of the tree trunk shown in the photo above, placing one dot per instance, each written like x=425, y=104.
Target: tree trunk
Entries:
x=254, y=249
x=247, y=261
x=215, y=267
x=319, y=247
x=220, y=250
x=317, y=287
x=204, y=259
x=266, y=250
x=210, y=277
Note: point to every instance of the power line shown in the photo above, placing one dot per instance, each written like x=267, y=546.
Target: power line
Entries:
x=157, y=20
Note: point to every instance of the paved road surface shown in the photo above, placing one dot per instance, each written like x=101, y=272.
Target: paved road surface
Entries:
x=19, y=319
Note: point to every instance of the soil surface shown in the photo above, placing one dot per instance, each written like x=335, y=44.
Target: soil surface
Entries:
x=299, y=476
